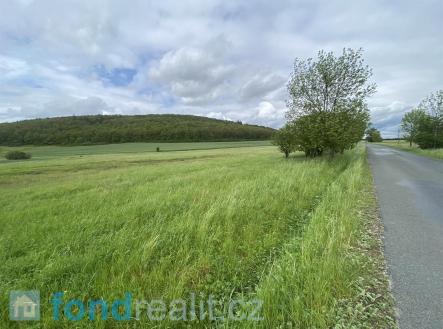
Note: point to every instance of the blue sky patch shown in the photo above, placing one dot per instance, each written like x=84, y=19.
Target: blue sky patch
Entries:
x=119, y=77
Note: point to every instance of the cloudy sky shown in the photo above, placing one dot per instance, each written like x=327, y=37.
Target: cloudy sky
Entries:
x=217, y=58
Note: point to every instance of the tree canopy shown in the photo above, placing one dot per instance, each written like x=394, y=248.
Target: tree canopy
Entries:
x=327, y=107
x=424, y=124
x=103, y=129
x=330, y=84
x=410, y=124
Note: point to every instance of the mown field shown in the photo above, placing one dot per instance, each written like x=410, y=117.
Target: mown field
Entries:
x=404, y=146
x=238, y=222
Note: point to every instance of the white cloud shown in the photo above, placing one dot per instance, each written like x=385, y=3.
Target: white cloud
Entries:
x=266, y=110
x=218, y=115
x=12, y=67
x=226, y=57
x=66, y=106
x=388, y=118
x=194, y=75
x=260, y=85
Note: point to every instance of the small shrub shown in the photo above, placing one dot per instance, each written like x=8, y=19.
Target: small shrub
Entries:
x=158, y=149
x=17, y=155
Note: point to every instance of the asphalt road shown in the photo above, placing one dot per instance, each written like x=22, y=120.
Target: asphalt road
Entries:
x=410, y=194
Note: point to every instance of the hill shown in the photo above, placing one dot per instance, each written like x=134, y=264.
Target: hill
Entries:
x=104, y=129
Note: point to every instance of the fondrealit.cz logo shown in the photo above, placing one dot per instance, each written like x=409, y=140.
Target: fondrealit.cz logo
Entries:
x=24, y=305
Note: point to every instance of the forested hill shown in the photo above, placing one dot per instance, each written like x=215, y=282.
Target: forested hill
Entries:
x=103, y=129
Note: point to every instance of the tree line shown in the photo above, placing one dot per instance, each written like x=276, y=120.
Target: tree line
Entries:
x=104, y=129
x=423, y=125
x=327, y=110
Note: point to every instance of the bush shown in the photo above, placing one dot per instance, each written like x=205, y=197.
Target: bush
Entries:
x=373, y=135
x=284, y=139
x=424, y=125
x=17, y=155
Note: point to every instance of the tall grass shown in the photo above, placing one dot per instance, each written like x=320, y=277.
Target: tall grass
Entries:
x=404, y=146
x=233, y=222
x=326, y=274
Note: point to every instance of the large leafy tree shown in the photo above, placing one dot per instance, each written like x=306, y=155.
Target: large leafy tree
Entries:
x=329, y=96
x=329, y=84
x=410, y=124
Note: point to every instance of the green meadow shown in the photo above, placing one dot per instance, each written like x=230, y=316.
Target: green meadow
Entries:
x=46, y=152
x=404, y=146
x=231, y=220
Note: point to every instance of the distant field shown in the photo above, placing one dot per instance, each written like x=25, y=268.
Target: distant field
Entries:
x=235, y=222
x=404, y=145
x=39, y=152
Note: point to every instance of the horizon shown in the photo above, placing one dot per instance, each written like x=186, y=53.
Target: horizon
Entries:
x=218, y=59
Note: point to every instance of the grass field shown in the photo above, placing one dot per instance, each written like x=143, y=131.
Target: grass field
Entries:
x=238, y=222
x=404, y=145
x=46, y=152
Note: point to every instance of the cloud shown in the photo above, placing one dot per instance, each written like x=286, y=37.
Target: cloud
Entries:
x=388, y=118
x=268, y=113
x=260, y=85
x=194, y=75
x=11, y=68
x=218, y=115
x=225, y=58
x=59, y=107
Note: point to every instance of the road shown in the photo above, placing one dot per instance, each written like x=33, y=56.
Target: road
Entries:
x=410, y=194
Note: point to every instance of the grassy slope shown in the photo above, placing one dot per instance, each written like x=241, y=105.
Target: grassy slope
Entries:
x=403, y=145
x=226, y=222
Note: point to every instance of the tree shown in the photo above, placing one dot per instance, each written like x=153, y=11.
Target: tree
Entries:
x=283, y=138
x=373, y=135
x=306, y=131
x=429, y=133
x=410, y=124
x=433, y=106
x=329, y=84
x=345, y=128
x=329, y=96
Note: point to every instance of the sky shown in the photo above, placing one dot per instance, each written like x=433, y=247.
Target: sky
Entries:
x=217, y=58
